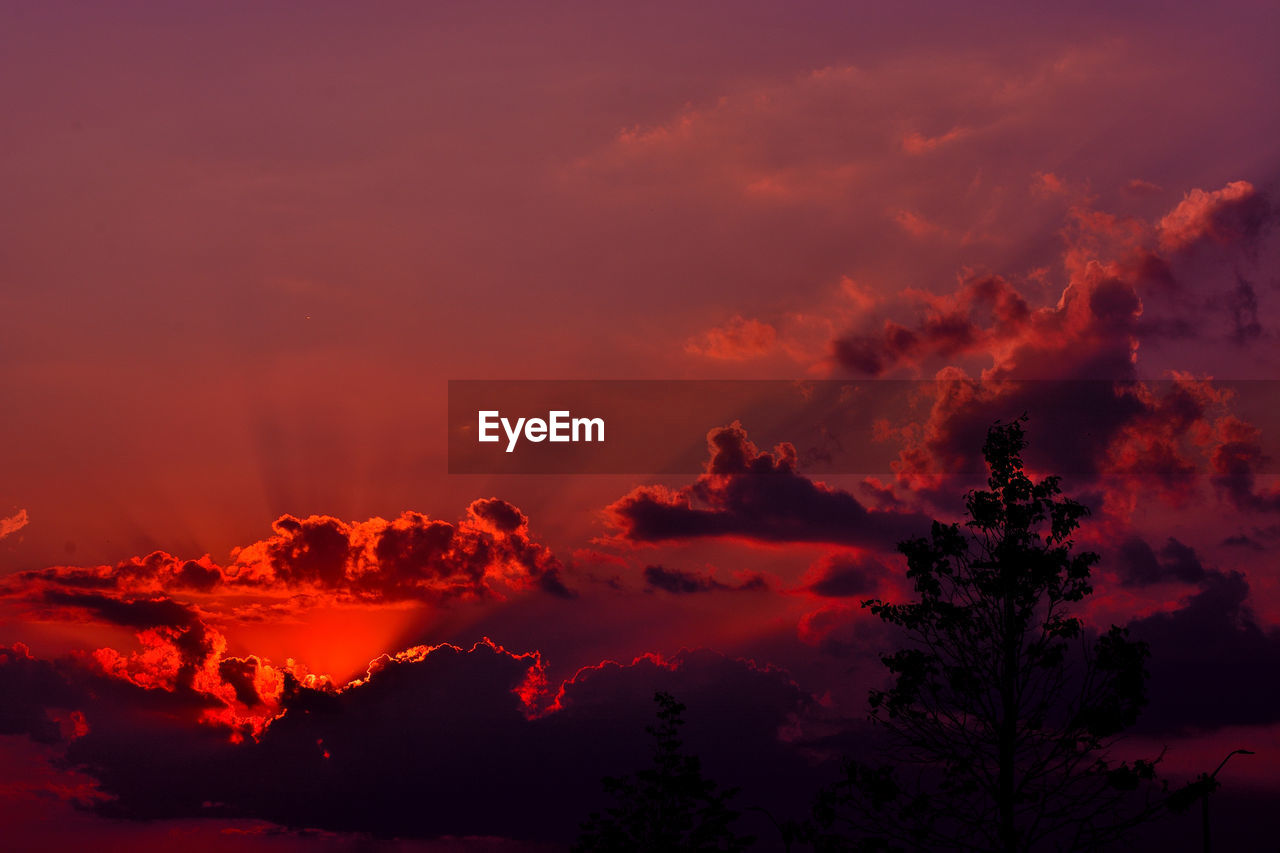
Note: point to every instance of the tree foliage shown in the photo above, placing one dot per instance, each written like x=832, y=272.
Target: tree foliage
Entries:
x=1001, y=709
x=670, y=806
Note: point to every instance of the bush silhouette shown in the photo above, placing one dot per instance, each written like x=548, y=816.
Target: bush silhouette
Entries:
x=669, y=806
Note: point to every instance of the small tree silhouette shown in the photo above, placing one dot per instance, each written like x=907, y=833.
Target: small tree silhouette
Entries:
x=1006, y=731
x=670, y=806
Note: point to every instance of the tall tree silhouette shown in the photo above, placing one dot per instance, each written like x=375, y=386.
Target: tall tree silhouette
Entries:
x=1000, y=710
x=670, y=806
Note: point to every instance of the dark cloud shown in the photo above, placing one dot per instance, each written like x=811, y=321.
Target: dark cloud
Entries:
x=154, y=573
x=757, y=495
x=679, y=582
x=1116, y=439
x=1070, y=366
x=186, y=644
x=846, y=576
x=1077, y=354
x=129, y=612
x=1139, y=565
x=434, y=741
x=1243, y=540
x=1243, y=304
x=985, y=308
x=1091, y=414
x=1235, y=463
x=35, y=692
x=313, y=551
x=1073, y=423
x=419, y=550
x=1212, y=664
x=241, y=674
x=845, y=630
x=29, y=689
x=502, y=516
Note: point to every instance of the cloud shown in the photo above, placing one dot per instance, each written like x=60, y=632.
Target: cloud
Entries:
x=179, y=610
x=843, y=575
x=1093, y=323
x=737, y=340
x=1237, y=458
x=433, y=741
x=409, y=558
x=759, y=496
x=130, y=612
x=1122, y=289
x=950, y=327
x=178, y=653
x=1139, y=565
x=1073, y=363
x=829, y=137
x=845, y=630
x=1243, y=540
x=917, y=143
x=680, y=582
x=1049, y=184
x=1235, y=213
x=917, y=225
x=1139, y=187
x=1125, y=435
x=13, y=523
x=1212, y=663
x=29, y=689
x=1243, y=305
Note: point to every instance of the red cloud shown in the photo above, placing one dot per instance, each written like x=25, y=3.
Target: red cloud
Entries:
x=1237, y=457
x=917, y=143
x=1232, y=213
x=179, y=609
x=981, y=316
x=1122, y=291
x=1113, y=264
x=409, y=558
x=737, y=340
x=13, y=523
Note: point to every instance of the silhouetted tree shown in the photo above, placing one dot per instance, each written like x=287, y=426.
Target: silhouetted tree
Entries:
x=1000, y=710
x=670, y=806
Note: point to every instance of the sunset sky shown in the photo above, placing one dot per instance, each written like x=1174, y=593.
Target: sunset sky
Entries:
x=244, y=247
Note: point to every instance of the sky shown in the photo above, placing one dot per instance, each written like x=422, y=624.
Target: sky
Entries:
x=244, y=247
